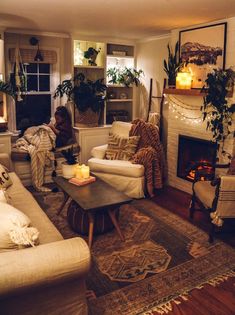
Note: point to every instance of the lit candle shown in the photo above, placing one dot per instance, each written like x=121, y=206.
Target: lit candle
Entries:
x=184, y=80
x=78, y=172
x=85, y=171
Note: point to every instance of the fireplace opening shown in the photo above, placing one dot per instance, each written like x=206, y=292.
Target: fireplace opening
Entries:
x=195, y=154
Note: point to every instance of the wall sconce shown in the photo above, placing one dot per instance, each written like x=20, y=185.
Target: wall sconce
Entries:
x=1, y=59
x=34, y=41
x=184, y=80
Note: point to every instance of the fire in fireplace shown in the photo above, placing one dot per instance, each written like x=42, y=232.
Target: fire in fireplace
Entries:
x=195, y=154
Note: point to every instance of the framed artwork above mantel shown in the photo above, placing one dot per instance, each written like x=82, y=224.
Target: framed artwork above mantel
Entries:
x=203, y=49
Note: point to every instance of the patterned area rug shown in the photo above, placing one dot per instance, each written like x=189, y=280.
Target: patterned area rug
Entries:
x=162, y=259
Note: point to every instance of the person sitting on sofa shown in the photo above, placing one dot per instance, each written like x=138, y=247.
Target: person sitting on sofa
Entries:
x=62, y=126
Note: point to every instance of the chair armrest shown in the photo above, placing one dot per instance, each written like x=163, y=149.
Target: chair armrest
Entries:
x=99, y=152
x=45, y=264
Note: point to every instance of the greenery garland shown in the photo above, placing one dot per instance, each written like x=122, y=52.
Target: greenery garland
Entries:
x=216, y=108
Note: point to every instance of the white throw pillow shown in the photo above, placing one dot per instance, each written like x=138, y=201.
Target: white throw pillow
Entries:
x=15, y=229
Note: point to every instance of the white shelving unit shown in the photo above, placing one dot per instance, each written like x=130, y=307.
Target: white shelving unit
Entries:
x=120, y=104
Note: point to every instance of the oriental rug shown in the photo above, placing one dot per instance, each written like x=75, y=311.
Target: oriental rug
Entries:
x=162, y=259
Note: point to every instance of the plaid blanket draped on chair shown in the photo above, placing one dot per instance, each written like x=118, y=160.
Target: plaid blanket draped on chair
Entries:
x=149, y=153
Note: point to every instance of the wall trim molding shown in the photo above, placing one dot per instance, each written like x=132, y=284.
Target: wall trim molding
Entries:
x=39, y=33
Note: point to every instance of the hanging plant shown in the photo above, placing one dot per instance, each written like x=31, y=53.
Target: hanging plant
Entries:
x=216, y=108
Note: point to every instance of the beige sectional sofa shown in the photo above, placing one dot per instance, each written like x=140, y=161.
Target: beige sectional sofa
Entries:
x=47, y=279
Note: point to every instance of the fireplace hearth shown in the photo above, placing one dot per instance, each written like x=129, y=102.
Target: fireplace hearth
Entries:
x=195, y=154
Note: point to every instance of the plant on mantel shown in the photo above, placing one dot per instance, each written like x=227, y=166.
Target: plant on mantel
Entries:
x=217, y=109
x=173, y=64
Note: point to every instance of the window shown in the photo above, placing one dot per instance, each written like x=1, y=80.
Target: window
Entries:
x=35, y=109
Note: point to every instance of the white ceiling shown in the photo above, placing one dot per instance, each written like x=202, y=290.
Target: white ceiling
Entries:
x=132, y=19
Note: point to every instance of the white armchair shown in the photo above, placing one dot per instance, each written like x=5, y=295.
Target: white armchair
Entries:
x=123, y=175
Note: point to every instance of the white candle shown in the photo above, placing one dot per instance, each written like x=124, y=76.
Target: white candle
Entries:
x=85, y=171
x=78, y=172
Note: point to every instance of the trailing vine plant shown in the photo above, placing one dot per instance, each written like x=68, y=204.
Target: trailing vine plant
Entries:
x=217, y=109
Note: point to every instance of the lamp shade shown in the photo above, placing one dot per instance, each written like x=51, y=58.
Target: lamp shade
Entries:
x=1, y=58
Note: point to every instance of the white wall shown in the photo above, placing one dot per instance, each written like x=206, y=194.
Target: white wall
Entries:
x=150, y=56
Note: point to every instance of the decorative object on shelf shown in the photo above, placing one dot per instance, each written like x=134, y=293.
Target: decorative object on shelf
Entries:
x=87, y=95
x=111, y=95
x=69, y=166
x=172, y=65
x=217, y=109
x=123, y=95
x=91, y=54
x=184, y=80
x=119, y=53
x=125, y=76
x=117, y=115
x=203, y=49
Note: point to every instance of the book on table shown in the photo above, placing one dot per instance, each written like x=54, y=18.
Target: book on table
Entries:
x=82, y=181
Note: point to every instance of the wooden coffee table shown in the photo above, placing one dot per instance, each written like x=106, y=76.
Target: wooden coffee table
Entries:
x=92, y=198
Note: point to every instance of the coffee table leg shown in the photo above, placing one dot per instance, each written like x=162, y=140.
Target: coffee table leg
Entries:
x=111, y=213
x=66, y=197
x=91, y=228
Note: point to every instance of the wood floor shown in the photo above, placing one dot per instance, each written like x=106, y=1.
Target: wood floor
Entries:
x=219, y=300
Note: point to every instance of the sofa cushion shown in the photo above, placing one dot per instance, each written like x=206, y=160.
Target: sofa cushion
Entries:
x=120, y=148
x=117, y=167
x=23, y=200
x=5, y=180
x=15, y=230
x=121, y=128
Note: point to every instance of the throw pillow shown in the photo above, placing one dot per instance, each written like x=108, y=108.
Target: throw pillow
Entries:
x=120, y=148
x=15, y=230
x=5, y=180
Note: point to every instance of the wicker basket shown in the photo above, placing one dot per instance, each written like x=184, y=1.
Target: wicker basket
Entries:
x=86, y=119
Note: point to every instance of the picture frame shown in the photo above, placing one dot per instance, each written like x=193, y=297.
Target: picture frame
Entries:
x=203, y=49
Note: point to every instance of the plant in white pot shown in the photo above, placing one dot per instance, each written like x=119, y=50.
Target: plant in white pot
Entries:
x=88, y=97
x=69, y=166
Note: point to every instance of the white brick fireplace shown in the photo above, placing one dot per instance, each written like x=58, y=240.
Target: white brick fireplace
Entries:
x=187, y=127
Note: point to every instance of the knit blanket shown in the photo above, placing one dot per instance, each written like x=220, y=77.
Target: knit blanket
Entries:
x=38, y=141
x=149, y=153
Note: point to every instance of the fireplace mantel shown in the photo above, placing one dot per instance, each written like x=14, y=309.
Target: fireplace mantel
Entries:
x=189, y=92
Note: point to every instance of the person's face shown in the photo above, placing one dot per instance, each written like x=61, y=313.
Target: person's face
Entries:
x=58, y=119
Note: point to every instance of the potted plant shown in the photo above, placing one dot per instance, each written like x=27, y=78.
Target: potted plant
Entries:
x=69, y=166
x=88, y=97
x=126, y=76
x=7, y=88
x=172, y=65
x=217, y=109
x=91, y=55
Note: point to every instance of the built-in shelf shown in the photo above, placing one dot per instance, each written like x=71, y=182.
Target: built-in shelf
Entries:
x=88, y=67
x=189, y=92
x=116, y=100
x=120, y=56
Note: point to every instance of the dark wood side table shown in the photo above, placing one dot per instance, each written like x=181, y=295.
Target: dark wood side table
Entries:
x=92, y=198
